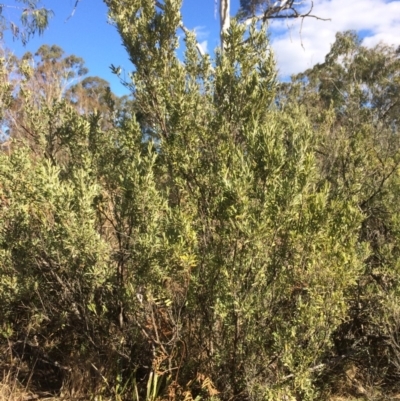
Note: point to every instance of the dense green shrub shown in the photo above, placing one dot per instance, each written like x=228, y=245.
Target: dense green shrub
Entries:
x=198, y=247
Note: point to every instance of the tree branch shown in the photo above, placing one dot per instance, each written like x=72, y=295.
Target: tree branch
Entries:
x=73, y=10
x=273, y=13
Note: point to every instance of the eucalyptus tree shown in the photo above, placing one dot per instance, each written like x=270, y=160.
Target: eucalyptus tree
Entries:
x=39, y=81
x=38, y=88
x=89, y=94
x=53, y=72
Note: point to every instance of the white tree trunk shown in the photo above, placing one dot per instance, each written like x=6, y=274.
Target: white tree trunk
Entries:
x=224, y=19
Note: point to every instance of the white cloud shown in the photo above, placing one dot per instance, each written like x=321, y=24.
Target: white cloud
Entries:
x=201, y=33
x=297, y=49
x=203, y=46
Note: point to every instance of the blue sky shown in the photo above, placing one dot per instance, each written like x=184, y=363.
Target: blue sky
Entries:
x=296, y=47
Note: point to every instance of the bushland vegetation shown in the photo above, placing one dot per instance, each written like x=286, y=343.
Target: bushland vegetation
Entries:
x=218, y=236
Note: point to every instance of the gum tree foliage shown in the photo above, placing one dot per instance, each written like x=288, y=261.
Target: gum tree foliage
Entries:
x=208, y=260
x=24, y=18
x=353, y=102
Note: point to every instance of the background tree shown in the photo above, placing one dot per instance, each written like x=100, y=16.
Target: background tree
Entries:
x=89, y=94
x=53, y=72
x=45, y=81
x=93, y=96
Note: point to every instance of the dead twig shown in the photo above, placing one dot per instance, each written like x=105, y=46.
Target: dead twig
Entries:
x=73, y=10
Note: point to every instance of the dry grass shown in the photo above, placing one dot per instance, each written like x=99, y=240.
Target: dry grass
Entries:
x=11, y=390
